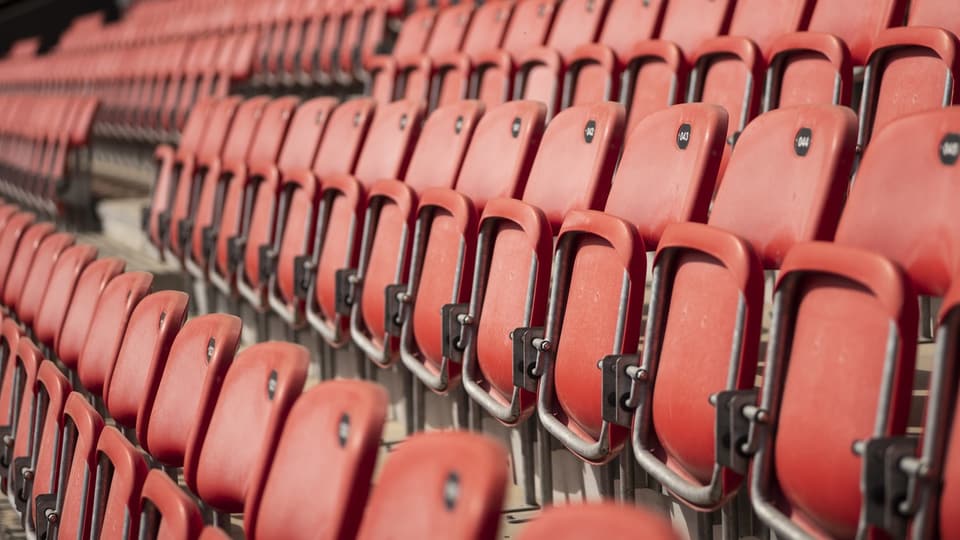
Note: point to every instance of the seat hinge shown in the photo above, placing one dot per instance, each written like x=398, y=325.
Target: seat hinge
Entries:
x=303, y=274
x=733, y=427
x=235, y=248
x=456, y=323
x=346, y=290
x=619, y=372
x=395, y=311
x=528, y=343
x=888, y=482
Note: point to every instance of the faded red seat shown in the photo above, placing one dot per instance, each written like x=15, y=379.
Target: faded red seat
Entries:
x=222, y=170
x=275, y=201
x=166, y=510
x=58, y=293
x=412, y=40
x=22, y=264
x=937, y=13
x=414, y=72
x=184, y=206
x=44, y=457
x=149, y=334
x=97, y=359
x=256, y=395
x=606, y=520
x=10, y=237
x=80, y=310
x=496, y=165
x=815, y=66
x=572, y=171
x=388, y=224
x=38, y=280
x=326, y=453
x=336, y=154
x=121, y=471
x=909, y=70
x=439, y=485
x=188, y=381
x=17, y=395
x=66, y=508
x=493, y=70
x=236, y=219
x=386, y=154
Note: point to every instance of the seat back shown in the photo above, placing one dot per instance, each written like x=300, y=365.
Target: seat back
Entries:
x=441, y=146
x=906, y=222
x=90, y=285
x=10, y=237
x=78, y=458
x=303, y=134
x=575, y=23
x=605, y=520
x=22, y=264
x=938, y=13
x=38, y=279
x=255, y=397
x=628, y=22
x=415, y=33
x=188, y=383
x=52, y=391
x=792, y=183
x=946, y=438
x=488, y=27
x=121, y=471
x=808, y=68
x=22, y=377
x=668, y=169
x=326, y=453
x=857, y=25
x=529, y=26
x=575, y=161
x=449, y=30
x=688, y=23
x=763, y=22
x=107, y=329
x=501, y=152
x=345, y=132
x=58, y=292
x=909, y=70
x=386, y=153
x=166, y=510
x=439, y=485
x=150, y=332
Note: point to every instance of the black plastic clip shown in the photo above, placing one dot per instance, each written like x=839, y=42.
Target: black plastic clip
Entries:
x=268, y=262
x=395, y=312
x=209, y=240
x=527, y=343
x=455, y=320
x=303, y=272
x=887, y=484
x=733, y=428
x=21, y=482
x=235, y=248
x=345, y=290
x=618, y=374
x=163, y=226
x=184, y=233
x=145, y=218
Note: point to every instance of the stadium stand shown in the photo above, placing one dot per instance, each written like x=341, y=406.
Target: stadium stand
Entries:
x=503, y=269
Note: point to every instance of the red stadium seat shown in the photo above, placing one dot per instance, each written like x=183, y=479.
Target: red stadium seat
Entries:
x=38, y=281
x=194, y=177
x=255, y=398
x=386, y=154
x=188, y=383
x=10, y=237
x=496, y=165
x=121, y=471
x=22, y=264
x=66, y=508
x=276, y=201
x=415, y=72
x=572, y=171
x=222, y=170
x=19, y=386
x=909, y=70
x=44, y=462
x=58, y=293
x=150, y=332
x=97, y=359
x=236, y=220
x=326, y=453
x=412, y=40
x=387, y=227
x=439, y=485
x=80, y=310
x=337, y=154
x=938, y=13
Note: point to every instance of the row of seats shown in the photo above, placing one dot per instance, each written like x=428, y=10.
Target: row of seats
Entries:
x=178, y=395
x=386, y=265
x=44, y=149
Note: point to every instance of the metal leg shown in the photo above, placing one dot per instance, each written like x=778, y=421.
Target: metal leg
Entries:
x=528, y=433
x=730, y=520
x=704, y=526
x=263, y=326
x=544, y=464
x=627, y=479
